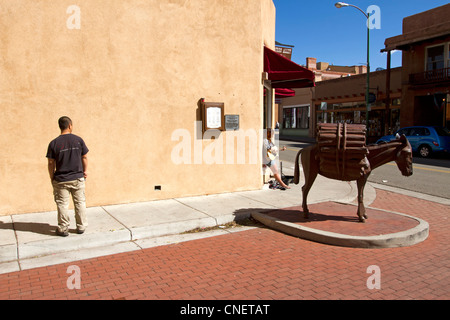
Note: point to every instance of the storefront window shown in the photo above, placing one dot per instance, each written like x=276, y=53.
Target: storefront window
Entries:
x=303, y=117
x=396, y=102
x=296, y=118
x=287, y=118
x=395, y=120
x=355, y=112
x=375, y=123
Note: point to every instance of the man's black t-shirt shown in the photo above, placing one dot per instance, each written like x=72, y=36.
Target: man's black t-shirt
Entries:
x=67, y=151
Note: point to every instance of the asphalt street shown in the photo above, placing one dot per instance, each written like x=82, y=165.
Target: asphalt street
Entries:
x=431, y=176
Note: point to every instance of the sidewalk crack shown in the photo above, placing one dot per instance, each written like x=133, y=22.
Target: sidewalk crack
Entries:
x=184, y=204
x=17, y=243
x=129, y=230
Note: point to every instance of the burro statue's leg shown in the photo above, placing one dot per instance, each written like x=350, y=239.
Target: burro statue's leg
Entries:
x=310, y=169
x=361, y=183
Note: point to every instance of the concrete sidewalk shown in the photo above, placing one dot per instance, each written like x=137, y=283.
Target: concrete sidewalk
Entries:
x=29, y=241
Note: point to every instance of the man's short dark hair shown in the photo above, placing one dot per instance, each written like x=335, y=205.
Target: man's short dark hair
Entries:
x=64, y=122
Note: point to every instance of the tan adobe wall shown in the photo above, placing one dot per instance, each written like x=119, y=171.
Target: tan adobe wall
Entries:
x=130, y=76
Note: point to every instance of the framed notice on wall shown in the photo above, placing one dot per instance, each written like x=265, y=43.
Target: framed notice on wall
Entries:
x=213, y=116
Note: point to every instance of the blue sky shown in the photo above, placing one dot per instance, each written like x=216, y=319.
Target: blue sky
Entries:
x=338, y=36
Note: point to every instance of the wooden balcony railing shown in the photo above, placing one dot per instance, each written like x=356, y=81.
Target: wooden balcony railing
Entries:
x=431, y=76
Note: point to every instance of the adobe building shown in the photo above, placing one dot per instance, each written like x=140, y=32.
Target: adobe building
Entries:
x=135, y=77
x=418, y=93
x=343, y=100
x=425, y=45
x=325, y=71
x=297, y=114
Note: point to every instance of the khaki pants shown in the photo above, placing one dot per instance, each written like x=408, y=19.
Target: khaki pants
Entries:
x=62, y=192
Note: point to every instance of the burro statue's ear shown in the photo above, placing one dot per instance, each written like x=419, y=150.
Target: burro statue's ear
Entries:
x=406, y=142
x=397, y=136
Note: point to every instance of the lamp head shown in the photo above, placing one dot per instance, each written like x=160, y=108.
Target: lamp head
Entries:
x=340, y=4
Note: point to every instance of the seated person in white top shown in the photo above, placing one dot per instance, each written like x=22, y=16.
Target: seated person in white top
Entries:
x=269, y=153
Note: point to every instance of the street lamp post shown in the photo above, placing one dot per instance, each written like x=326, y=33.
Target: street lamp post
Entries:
x=343, y=4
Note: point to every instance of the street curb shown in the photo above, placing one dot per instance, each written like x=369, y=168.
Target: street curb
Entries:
x=410, y=193
x=391, y=240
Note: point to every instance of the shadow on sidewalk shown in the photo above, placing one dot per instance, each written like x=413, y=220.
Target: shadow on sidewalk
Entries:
x=244, y=217
x=34, y=227
x=294, y=216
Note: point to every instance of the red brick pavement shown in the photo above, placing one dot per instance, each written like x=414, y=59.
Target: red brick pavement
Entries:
x=257, y=264
x=342, y=218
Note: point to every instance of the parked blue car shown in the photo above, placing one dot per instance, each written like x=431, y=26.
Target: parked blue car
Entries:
x=424, y=139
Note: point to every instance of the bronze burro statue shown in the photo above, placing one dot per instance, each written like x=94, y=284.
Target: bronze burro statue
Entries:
x=341, y=154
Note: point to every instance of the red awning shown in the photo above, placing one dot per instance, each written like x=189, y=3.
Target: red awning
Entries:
x=284, y=73
x=284, y=93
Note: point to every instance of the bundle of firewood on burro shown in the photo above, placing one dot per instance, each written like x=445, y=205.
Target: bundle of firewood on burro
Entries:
x=341, y=154
x=342, y=150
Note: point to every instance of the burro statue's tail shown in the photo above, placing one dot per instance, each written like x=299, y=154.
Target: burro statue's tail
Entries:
x=297, y=168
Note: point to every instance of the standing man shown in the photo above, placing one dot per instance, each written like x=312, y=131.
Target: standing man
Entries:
x=67, y=166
